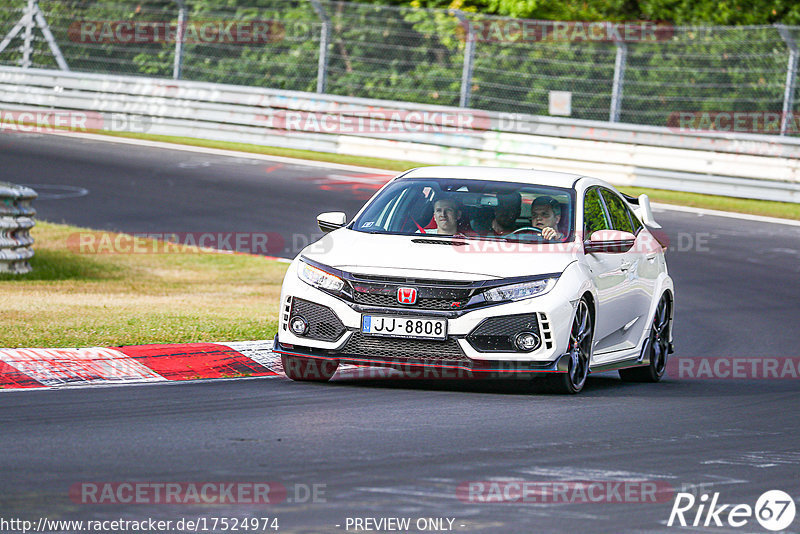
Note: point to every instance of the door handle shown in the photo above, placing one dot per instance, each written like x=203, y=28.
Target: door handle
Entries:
x=651, y=257
x=626, y=265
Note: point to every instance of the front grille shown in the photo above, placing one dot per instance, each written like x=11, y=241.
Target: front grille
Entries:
x=496, y=334
x=323, y=323
x=423, y=303
x=404, y=349
x=381, y=291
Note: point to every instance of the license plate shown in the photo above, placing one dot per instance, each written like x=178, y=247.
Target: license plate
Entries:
x=413, y=327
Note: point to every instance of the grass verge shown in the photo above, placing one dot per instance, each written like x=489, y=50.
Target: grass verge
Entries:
x=768, y=208
x=786, y=210
x=76, y=300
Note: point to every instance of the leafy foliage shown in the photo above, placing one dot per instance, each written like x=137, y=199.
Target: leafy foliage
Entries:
x=397, y=51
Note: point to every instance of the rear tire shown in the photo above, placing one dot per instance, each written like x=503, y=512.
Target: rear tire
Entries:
x=655, y=348
x=580, y=354
x=308, y=369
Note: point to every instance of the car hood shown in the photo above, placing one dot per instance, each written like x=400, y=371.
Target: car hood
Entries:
x=397, y=255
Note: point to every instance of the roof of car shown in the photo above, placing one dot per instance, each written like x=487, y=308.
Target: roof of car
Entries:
x=504, y=174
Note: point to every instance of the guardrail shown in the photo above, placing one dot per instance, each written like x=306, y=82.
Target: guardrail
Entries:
x=637, y=72
x=16, y=220
x=741, y=165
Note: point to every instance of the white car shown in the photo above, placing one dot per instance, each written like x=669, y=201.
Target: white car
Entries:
x=481, y=271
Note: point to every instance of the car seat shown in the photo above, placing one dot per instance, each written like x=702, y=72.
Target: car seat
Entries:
x=481, y=219
x=419, y=215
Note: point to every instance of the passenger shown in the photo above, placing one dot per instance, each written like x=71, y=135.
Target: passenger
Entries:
x=546, y=214
x=506, y=213
x=446, y=213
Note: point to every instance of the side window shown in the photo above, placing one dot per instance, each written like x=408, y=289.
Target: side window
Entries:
x=594, y=217
x=618, y=212
x=636, y=224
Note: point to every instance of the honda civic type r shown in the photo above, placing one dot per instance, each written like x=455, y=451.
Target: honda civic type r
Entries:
x=484, y=271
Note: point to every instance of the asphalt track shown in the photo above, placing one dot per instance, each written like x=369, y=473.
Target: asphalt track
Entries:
x=391, y=448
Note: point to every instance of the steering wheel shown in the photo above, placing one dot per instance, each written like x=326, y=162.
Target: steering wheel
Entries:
x=527, y=229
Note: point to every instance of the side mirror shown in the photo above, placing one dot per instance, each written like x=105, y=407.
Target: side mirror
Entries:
x=612, y=241
x=330, y=221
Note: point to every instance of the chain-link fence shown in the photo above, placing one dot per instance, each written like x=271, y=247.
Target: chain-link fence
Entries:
x=634, y=73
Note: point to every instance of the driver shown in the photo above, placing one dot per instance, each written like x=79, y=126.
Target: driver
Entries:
x=546, y=214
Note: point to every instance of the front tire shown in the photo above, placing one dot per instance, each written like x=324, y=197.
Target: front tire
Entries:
x=308, y=369
x=581, y=338
x=655, y=348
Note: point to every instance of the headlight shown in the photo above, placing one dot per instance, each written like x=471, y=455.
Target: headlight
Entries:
x=521, y=291
x=318, y=278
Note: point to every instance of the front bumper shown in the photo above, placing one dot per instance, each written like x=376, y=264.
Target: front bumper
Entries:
x=421, y=367
x=345, y=343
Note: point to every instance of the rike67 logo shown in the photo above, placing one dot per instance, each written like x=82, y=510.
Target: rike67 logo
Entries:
x=774, y=510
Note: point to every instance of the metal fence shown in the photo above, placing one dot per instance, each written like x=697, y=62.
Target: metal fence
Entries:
x=440, y=57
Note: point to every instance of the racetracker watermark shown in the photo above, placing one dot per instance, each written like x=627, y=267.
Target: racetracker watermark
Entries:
x=652, y=242
x=262, y=243
x=515, y=244
x=193, y=493
x=565, y=492
x=755, y=122
x=535, y=31
x=734, y=367
x=129, y=32
x=423, y=367
x=646, y=244
x=377, y=121
x=60, y=121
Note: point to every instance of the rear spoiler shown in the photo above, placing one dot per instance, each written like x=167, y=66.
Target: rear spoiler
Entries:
x=643, y=211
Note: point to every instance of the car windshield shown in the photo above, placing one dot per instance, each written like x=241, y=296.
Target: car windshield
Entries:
x=470, y=208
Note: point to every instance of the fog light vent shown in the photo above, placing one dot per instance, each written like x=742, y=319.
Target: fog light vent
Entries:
x=321, y=322
x=506, y=334
x=286, y=310
x=547, y=333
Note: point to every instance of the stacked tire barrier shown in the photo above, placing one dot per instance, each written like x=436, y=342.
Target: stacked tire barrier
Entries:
x=16, y=220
